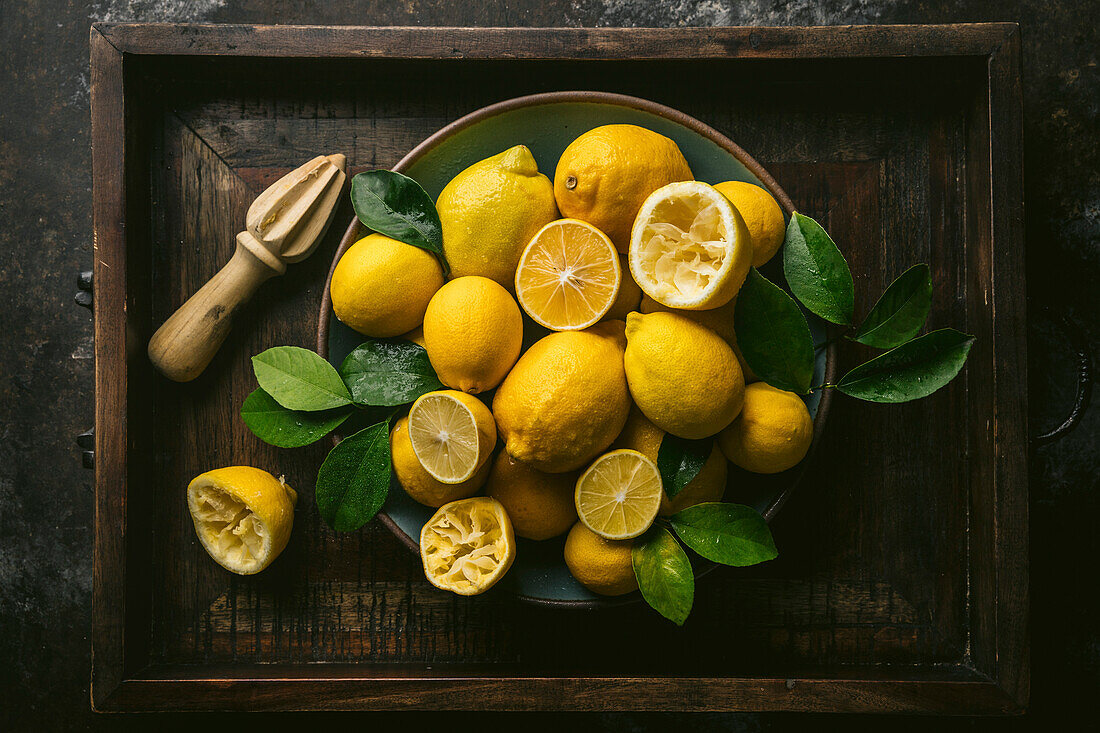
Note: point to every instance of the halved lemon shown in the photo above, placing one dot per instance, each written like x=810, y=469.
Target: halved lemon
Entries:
x=619, y=494
x=468, y=545
x=689, y=247
x=242, y=515
x=452, y=434
x=568, y=275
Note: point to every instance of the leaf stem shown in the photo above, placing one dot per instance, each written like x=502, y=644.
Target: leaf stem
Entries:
x=826, y=385
x=833, y=340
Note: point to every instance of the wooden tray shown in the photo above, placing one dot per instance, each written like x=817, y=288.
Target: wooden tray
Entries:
x=902, y=580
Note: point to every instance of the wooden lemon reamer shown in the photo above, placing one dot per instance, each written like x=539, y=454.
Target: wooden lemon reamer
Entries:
x=283, y=225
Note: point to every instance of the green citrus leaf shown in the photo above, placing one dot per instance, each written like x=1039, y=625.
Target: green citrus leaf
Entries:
x=913, y=370
x=664, y=574
x=816, y=271
x=278, y=426
x=773, y=335
x=397, y=206
x=388, y=373
x=354, y=479
x=731, y=534
x=299, y=379
x=679, y=460
x=900, y=312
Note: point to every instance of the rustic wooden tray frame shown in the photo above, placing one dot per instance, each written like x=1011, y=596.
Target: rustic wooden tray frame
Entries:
x=996, y=677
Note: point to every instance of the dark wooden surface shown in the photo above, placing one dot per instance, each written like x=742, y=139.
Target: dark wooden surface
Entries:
x=45, y=575
x=870, y=611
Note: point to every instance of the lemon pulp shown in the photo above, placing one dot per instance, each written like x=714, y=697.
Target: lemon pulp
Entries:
x=242, y=516
x=452, y=434
x=568, y=276
x=467, y=546
x=689, y=247
x=619, y=494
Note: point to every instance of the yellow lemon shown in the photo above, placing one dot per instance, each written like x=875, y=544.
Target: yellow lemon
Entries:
x=491, y=210
x=762, y=215
x=473, y=332
x=566, y=398
x=416, y=335
x=605, y=174
x=773, y=432
x=415, y=479
x=467, y=546
x=602, y=566
x=568, y=276
x=719, y=320
x=242, y=515
x=682, y=375
x=689, y=247
x=708, y=485
x=452, y=434
x=381, y=287
x=539, y=504
x=629, y=295
x=619, y=494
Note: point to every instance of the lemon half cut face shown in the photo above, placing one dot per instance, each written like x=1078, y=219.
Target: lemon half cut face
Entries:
x=467, y=546
x=689, y=247
x=619, y=495
x=243, y=516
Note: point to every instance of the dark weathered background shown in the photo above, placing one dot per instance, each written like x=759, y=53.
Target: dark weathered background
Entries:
x=46, y=364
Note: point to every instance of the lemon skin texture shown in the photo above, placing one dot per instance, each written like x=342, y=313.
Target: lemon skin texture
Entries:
x=217, y=499
x=602, y=566
x=719, y=320
x=682, y=375
x=773, y=432
x=491, y=210
x=381, y=287
x=708, y=485
x=539, y=504
x=605, y=174
x=473, y=332
x=762, y=215
x=566, y=399
x=417, y=482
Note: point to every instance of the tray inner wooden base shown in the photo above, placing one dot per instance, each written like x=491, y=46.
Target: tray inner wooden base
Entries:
x=875, y=570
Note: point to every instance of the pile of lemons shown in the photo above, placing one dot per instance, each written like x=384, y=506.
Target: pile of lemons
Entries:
x=583, y=320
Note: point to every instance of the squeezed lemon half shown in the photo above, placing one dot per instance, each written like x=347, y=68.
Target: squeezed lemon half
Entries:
x=619, y=494
x=467, y=546
x=568, y=276
x=452, y=434
x=689, y=247
x=242, y=515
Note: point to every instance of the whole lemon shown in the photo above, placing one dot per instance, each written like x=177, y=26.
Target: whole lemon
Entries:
x=566, y=399
x=602, y=566
x=491, y=210
x=605, y=174
x=628, y=298
x=381, y=287
x=539, y=504
x=762, y=215
x=773, y=432
x=708, y=485
x=473, y=331
x=719, y=320
x=682, y=375
x=417, y=482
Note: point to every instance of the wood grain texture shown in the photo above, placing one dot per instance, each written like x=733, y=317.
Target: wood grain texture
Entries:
x=901, y=571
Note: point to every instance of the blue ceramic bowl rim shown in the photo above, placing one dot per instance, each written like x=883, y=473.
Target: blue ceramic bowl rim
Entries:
x=352, y=234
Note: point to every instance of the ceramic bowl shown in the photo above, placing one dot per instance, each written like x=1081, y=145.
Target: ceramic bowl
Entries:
x=547, y=123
